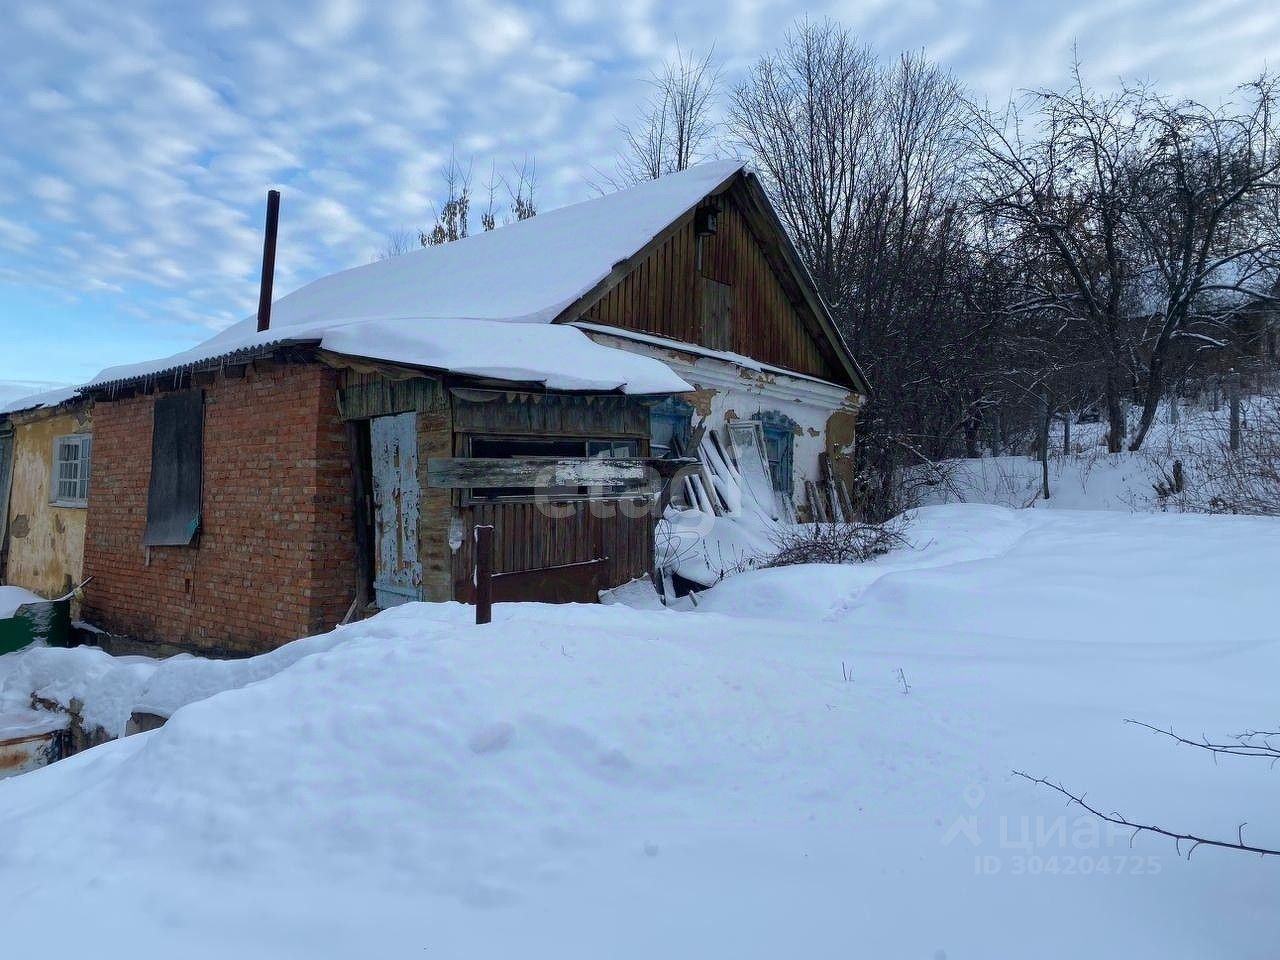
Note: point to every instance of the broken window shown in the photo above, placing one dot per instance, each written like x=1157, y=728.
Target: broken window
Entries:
x=71, y=459
x=177, y=462
x=779, y=444
x=669, y=428
x=513, y=448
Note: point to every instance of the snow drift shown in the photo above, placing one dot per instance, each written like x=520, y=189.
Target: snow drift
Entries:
x=749, y=780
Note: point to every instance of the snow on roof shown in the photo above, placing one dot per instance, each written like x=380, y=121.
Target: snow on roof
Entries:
x=436, y=307
x=38, y=401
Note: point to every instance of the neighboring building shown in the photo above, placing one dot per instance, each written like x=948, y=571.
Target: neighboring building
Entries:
x=265, y=484
x=46, y=450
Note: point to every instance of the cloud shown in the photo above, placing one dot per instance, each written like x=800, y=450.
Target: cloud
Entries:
x=140, y=136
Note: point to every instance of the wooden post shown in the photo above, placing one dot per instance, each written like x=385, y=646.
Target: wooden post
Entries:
x=361, y=511
x=1233, y=397
x=484, y=574
x=1066, y=434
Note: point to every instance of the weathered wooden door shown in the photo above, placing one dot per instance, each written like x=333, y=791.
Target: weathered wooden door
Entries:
x=397, y=574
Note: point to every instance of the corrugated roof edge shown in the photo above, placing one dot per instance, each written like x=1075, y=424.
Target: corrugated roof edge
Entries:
x=47, y=400
x=241, y=355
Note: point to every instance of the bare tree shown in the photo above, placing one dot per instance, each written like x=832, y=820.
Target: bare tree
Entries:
x=676, y=126
x=1059, y=189
x=520, y=191
x=398, y=241
x=807, y=115
x=1203, y=190
x=865, y=164
x=452, y=217
x=1133, y=217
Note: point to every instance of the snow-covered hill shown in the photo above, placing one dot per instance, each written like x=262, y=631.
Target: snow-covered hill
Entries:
x=816, y=763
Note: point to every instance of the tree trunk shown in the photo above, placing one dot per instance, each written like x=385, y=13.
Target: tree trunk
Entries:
x=971, y=426
x=1046, y=419
x=1115, y=414
x=1150, y=403
x=1233, y=399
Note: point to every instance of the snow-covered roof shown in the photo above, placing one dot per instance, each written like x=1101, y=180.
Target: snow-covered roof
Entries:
x=438, y=307
x=39, y=401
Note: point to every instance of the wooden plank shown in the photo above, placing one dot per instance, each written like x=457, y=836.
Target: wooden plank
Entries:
x=484, y=574
x=625, y=267
x=544, y=472
x=817, y=506
x=717, y=331
x=361, y=509
x=563, y=583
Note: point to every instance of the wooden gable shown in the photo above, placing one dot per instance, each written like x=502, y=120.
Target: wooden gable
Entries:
x=735, y=291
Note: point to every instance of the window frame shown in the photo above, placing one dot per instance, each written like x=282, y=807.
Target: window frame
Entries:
x=678, y=414
x=83, y=444
x=778, y=426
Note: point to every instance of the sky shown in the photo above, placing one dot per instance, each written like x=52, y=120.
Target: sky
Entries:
x=138, y=139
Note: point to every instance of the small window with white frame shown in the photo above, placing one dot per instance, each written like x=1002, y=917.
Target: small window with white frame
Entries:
x=71, y=459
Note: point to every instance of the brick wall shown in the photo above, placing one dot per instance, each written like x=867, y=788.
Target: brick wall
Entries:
x=275, y=558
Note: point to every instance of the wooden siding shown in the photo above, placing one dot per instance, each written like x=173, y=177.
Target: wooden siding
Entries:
x=531, y=535
x=527, y=536
x=363, y=395
x=663, y=295
x=549, y=415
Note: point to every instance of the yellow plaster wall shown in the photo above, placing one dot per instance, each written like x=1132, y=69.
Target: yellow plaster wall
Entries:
x=46, y=543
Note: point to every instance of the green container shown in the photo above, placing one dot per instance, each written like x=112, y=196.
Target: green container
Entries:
x=49, y=620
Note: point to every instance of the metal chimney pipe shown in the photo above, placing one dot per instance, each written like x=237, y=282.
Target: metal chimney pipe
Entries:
x=268, y=259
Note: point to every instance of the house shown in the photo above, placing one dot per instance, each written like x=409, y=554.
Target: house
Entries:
x=339, y=455
x=46, y=447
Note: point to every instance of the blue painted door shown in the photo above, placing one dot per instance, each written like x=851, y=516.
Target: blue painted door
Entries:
x=397, y=496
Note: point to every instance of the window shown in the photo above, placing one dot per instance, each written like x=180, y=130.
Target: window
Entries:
x=669, y=423
x=779, y=444
x=548, y=447
x=71, y=459
x=177, y=462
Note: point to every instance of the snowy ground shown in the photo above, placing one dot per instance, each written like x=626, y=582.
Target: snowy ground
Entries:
x=609, y=782
x=1083, y=476
x=11, y=598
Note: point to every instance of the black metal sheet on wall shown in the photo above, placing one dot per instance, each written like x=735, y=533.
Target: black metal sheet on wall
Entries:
x=177, y=460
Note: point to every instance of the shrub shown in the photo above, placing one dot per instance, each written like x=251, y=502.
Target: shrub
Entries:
x=835, y=542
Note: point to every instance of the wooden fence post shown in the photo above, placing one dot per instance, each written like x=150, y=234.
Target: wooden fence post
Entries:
x=484, y=574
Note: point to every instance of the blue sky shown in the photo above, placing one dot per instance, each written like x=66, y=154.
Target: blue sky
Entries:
x=138, y=139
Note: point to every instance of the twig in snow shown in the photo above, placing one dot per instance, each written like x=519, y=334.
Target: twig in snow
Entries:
x=1178, y=838
x=902, y=679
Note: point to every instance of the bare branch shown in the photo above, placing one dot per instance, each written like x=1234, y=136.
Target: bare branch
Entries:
x=1178, y=838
